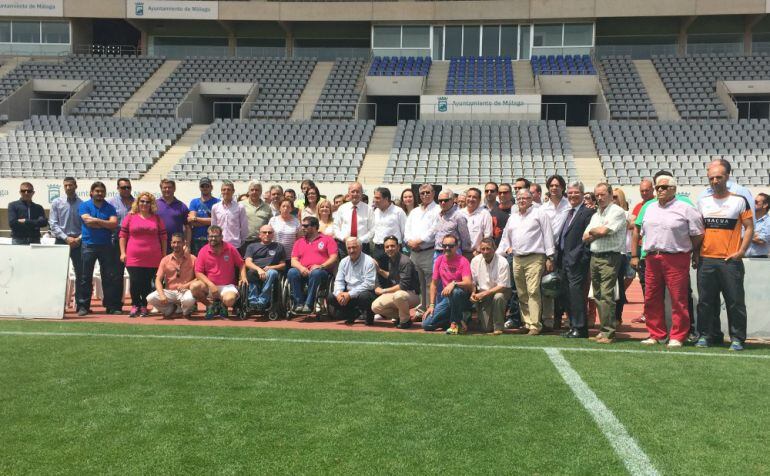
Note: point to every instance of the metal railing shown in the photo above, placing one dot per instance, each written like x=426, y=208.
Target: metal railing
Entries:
x=432, y=111
x=637, y=51
x=660, y=111
x=107, y=50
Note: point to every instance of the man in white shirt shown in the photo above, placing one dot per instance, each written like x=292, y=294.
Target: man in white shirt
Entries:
x=479, y=220
x=606, y=233
x=230, y=216
x=492, y=281
x=556, y=207
x=528, y=236
x=419, y=236
x=353, y=218
x=389, y=220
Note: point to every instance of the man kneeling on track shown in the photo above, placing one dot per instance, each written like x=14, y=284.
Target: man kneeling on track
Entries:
x=398, y=288
x=312, y=259
x=181, y=290
x=265, y=260
x=354, y=284
x=216, y=268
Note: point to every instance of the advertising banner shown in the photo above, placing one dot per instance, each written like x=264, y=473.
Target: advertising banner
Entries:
x=39, y=8
x=173, y=10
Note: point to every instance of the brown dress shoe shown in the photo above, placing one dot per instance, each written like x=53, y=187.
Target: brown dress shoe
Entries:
x=605, y=340
x=533, y=332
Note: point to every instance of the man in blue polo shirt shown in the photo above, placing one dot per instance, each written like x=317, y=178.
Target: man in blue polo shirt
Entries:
x=99, y=221
x=199, y=217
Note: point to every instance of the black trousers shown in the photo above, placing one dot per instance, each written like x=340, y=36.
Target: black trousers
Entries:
x=717, y=276
x=573, y=295
x=77, y=265
x=359, y=305
x=142, y=280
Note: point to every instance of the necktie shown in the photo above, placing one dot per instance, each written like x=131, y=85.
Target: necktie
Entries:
x=354, y=222
x=570, y=216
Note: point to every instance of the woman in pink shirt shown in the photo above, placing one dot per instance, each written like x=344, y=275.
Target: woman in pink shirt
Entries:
x=142, y=245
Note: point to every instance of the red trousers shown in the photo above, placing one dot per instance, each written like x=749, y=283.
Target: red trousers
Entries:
x=670, y=271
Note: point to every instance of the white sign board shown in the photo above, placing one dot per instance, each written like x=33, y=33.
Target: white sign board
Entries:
x=33, y=281
x=452, y=106
x=757, y=289
x=171, y=9
x=39, y=8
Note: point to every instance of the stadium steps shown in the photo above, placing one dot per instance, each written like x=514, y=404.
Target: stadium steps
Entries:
x=8, y=127
x=523, y=79
x=436, y=83
x=312, y=91
x=587, y=163
x=167, y=161
x=145, y=91
x=661, y=101
x=11, y=64
x=377, y=154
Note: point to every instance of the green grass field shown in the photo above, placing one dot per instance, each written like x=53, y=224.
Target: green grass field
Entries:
x=123, y=399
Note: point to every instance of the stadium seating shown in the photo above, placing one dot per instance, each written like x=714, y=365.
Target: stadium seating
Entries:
x=87, y=147
x=280, y=81
x=562, y=64
x=625, y=93
x=339, y=97
x=691, y=81
x=480, y=75
x=629, y=150
x=400, y=66
x=115, y=78
x=464, y=152
x=326, y=151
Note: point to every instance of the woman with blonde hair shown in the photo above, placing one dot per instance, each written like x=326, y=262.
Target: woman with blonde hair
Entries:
x=325, y=219
x=142, y=245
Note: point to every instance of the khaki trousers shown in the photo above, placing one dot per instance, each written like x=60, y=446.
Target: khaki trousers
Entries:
x=396, y=305
x=527, y=273
x=491, y=311
x=604, y=276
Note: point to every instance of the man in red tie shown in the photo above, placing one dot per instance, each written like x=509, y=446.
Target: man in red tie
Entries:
x=354, y=218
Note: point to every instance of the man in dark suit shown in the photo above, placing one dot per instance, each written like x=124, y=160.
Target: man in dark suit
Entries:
x=573, y=259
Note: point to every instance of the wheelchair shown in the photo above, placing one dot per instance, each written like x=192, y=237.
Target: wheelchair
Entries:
x=244, y=309
x=321, y=310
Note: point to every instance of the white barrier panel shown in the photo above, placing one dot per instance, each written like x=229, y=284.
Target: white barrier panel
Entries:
x=757, y=287
x=33, y=281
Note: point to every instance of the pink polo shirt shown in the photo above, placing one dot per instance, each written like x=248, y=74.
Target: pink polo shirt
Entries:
x=313, y=252
x=219, y=268
x=451, y=270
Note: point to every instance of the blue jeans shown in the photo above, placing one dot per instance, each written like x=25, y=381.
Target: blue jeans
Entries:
x=448, y=310
x=260, y=292
x=297, y=285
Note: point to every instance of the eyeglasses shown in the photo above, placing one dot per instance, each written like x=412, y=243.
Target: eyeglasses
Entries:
x=267, y=232
x=447, y=246
x=306, y=225
x=425, y=192
x=660, y=187
x=125, y=187
x=144, y=202
x=504, y=193
x=26, y=190
x=490, y=191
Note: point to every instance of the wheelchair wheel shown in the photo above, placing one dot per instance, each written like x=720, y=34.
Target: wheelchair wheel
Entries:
x=242, y=305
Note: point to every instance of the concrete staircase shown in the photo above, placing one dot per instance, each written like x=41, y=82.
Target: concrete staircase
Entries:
x=11, y=64
x=587, y=163
x=436, y=82
x=523, y=79
x=377, y=155
x=145, y=91
x=8, y=127
x=664, y=106
x=167, y=161
x=312, y=91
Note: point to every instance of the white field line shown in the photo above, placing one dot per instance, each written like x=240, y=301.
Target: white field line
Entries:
x=633, y=457
x=453, y=345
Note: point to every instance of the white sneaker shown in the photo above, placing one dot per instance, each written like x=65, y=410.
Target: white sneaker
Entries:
x=650, y=341
x=378, y=317
x=674, y=344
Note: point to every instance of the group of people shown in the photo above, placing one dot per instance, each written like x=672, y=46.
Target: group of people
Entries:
x=522, y=258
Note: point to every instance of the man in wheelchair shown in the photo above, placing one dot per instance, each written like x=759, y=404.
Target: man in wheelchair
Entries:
x=265, y=261
x=312, y=261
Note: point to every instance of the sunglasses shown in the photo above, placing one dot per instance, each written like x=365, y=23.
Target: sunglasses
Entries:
x=425, y=193
x=504, y=193
x=661, y=187
x=26, y=191
x=447, y=246
x=145, y=201
x=178, y=272
x=267, y=232
x=305, y=225
x=490, y=191
x=125, y=187
x=444, y=200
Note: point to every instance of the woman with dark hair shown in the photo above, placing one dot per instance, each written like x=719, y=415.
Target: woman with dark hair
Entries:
x=310, y=206
x=406, y=202
x=286, y=226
